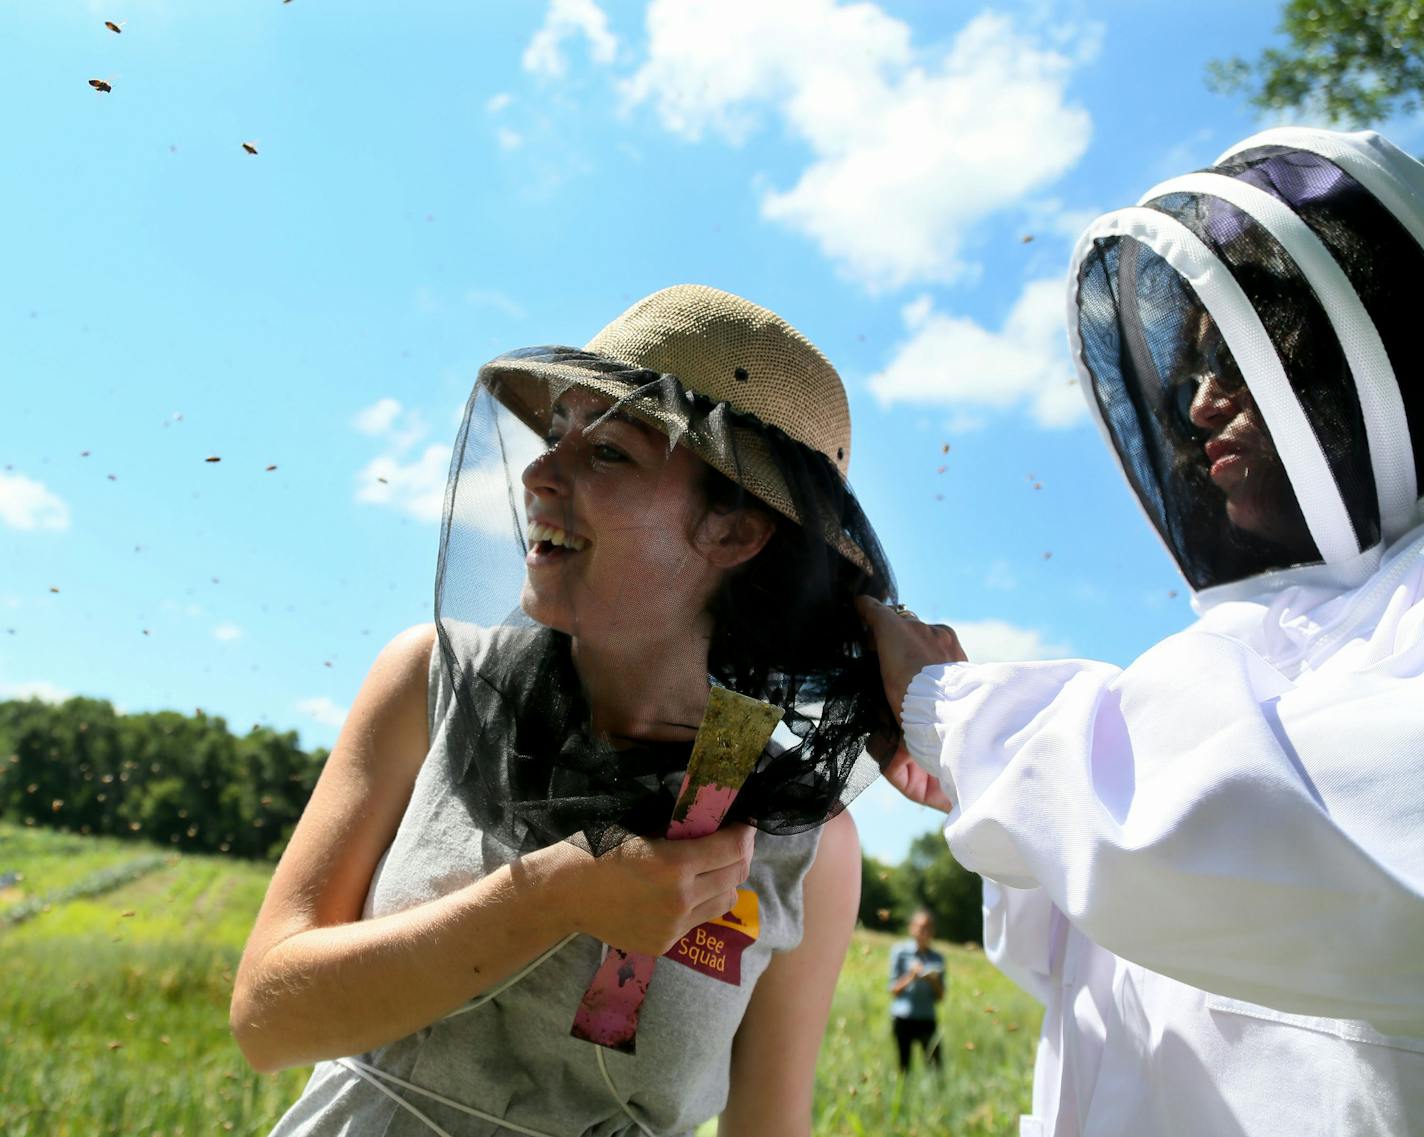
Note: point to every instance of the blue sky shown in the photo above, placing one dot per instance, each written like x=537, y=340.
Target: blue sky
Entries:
x=437, y=182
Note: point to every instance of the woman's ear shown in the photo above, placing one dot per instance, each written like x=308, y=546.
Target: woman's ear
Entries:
x=732, y=537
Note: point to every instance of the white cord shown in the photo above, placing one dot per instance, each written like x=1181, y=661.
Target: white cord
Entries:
x=366, y=1071
x=500, y=988
x=372, y=1073
x=356, y=1068
x=612, y=1089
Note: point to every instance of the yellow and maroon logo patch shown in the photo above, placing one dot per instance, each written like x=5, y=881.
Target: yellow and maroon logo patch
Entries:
x=715, y=948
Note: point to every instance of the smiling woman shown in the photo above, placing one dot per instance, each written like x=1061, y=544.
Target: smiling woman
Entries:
x=494, y=811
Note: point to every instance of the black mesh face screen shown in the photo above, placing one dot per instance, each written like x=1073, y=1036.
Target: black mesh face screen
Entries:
x=581, y=536
x=1381, y=259
x=1193, y=442
x=1294, y=446
x=1303, y=338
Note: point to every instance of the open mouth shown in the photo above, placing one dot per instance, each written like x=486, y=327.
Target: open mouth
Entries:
x=549, y=543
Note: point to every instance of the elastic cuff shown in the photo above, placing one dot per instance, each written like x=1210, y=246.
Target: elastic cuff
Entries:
x=934, y=686
x=924, y=711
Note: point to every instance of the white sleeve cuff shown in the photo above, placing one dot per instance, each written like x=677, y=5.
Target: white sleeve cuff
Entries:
x=927, y=709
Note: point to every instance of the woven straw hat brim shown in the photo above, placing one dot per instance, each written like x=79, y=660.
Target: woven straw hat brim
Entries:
x=528, y=382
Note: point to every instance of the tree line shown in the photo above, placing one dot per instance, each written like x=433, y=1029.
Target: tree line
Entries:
x=180, y=780
x=929, y=878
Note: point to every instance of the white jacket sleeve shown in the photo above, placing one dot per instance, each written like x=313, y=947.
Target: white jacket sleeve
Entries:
x=1200, y=815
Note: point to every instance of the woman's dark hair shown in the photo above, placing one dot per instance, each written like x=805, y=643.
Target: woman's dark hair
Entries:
x=784, y=624
x=787, y=609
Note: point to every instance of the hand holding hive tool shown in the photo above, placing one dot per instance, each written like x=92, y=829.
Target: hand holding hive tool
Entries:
x=733, y=734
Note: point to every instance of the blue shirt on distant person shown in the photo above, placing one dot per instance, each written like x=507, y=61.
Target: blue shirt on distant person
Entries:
x=916, y=1001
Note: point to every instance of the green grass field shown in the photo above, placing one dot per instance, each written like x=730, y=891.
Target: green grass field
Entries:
x=113, y=1011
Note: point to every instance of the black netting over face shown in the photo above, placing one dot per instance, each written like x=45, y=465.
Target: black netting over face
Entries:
x=1381, y=259
x=596, y=575
x=1181, y=415
x=1304, y=340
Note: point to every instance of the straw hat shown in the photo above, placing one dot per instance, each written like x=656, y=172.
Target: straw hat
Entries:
x=716, y=344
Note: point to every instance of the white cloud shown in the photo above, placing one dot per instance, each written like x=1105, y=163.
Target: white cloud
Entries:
x=41, y=689
x=27, y=504
x=954, y=361
x=416, y=488
x=226, y=633
x=323, y=710
x=998, y=641
x=508, y=139
x=565, y=20
x=378, y=417
x=414, y=482
x=401, y=428
x=496, y=103
x=911, y=152
x=414, y=485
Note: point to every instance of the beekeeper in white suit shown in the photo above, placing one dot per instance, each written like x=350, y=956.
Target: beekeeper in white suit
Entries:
x=1209, y=865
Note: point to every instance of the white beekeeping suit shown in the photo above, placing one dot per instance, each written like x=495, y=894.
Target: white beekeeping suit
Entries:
x=1209, y=865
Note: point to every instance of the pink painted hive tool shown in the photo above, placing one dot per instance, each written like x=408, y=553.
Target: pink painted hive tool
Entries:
x=733, y=734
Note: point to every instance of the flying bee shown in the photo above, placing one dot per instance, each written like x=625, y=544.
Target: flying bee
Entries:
x=250, y=147
x=102, y=85
x=117, y=29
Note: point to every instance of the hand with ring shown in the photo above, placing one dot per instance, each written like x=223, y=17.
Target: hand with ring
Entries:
x=906, y=646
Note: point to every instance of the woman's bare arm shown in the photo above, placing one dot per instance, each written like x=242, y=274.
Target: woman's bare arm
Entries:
x=316, y=981
x=775, y=1050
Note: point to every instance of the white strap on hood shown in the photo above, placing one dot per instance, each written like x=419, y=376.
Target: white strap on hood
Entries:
x=1300, y=451
x=1391, y=455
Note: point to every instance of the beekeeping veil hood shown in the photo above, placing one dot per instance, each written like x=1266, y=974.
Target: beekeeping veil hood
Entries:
x=1247, y=338
x=554, y=538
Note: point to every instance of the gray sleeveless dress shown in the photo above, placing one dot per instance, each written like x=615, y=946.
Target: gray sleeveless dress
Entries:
x=505, y=1063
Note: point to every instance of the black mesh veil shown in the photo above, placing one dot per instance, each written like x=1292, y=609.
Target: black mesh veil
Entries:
x=1240, y=334
x=1150, y=344
x=585, y=601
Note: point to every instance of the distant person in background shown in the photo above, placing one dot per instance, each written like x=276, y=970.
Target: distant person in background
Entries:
x=916, y=986
x=1209, y=865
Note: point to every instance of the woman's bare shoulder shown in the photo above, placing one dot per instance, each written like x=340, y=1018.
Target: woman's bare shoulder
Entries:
x=406, y=658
